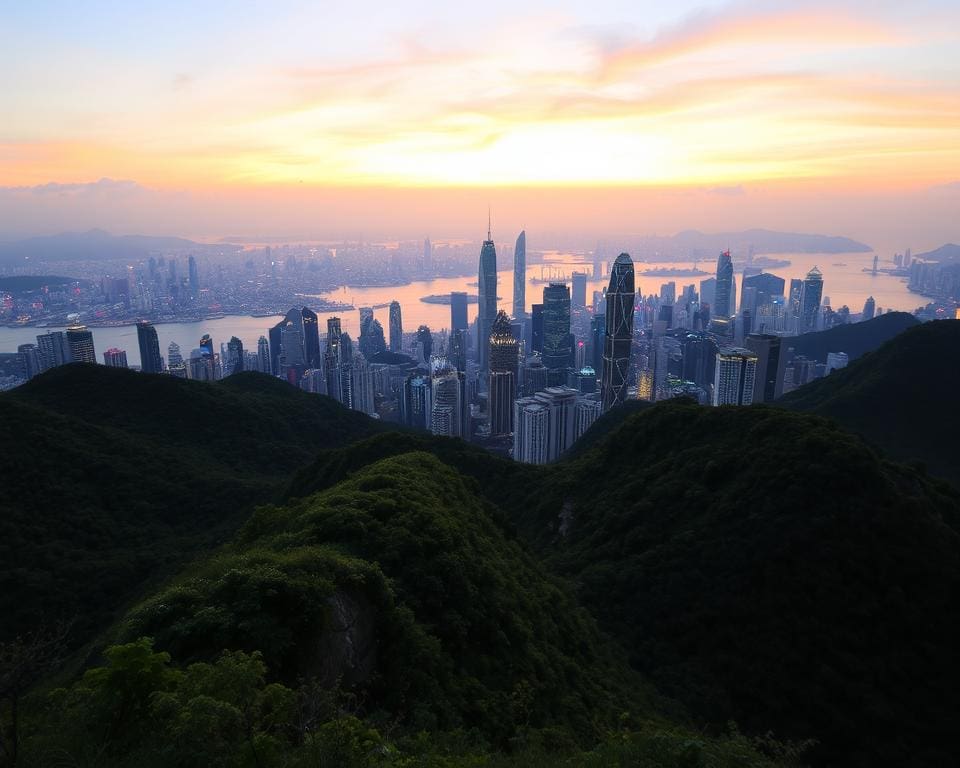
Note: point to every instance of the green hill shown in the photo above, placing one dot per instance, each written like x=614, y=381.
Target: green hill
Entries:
x=901, y=398
x=767, y=567
x=855, y=339
x=111, y=477
x=388, y=620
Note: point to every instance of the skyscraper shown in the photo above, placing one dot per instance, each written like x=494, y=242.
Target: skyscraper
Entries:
x=458, y=311
x=396, y=327
x=427, y=256
x=54, y=349
x=557, y=348
x=536, y=328
x=767, y=287
x=735, y=376
x=150, y=360
x=194, y=274
x=578, y=294
x=424, y=340
x=234, y=356
x=310, y=325
x=520, y=276
x=869, y=308
x=502, y=379
x=458, y=350
x=544, y=425
x=771, y=364
x=80, y=341
x=206, y=344
x=618, y=333
x=263, y=355
x=488, y=298
x=331, y=357
x=446, y=402
x=810, y=294
x=29, y=357
x=722, y=308
x=115, y=358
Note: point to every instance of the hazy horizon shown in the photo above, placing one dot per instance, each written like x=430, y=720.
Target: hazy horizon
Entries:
x=589, y=119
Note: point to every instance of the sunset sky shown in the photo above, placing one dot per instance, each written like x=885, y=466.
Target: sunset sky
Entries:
x=377, y=118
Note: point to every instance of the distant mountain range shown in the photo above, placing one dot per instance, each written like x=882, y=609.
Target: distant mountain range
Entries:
x=761, y=240
x=948, y=252
x=88, y=246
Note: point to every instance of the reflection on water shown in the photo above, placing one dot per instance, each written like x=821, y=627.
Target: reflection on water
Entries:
x=844, y=283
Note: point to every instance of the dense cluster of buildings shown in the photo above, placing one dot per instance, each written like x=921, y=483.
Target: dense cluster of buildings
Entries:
x=530, y=383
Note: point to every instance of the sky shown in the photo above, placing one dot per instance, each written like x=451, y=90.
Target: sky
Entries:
x=376, y=119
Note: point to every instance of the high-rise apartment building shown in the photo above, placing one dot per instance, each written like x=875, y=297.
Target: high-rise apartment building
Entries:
x=115, y=358
x=735, y=376
x=54, y=349
x=80, y=341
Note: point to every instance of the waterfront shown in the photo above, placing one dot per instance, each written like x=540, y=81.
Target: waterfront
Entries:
x=844, y=283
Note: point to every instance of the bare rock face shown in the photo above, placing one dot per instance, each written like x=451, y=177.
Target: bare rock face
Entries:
x=347, y=650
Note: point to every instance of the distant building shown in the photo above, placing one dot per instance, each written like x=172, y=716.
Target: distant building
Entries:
x=115, y=358
x=488, y=298
x=536, y=328
x=310, y=331
x=263, y=355
x=29, y=357
x=721, y=310
x=587, y=411
x=314, y=381
x=557, y=347
x=520, y=276
x=396, y=327
x=458, y=311
x=150, y=359
x=810, y=294
x=502, y=379
x=448, y=408
x=416, y=401
x=544, y=425
x=618, y=333
x=735, y=377
x=836, y=360
x=235, y=359
x=175, y=363
x=578, y=293
x=53, y=349
x=869, y=308
x=80, y=341
x=771, y=366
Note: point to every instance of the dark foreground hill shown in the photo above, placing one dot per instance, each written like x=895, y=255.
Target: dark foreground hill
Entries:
x=901, y=398
x=391, y=603
x=855, y=339
x=768, y=567
x=110, y=476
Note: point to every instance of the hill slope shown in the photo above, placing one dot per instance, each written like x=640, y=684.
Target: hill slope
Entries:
x=767, y=567
x=111, y=476
x=902, y=397
x=856, y=339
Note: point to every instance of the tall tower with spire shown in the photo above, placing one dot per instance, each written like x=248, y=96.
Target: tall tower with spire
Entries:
x=488, y=298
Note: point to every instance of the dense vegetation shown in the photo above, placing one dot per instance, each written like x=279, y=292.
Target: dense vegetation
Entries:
x=110, y=477
x=405, y=600
x=855, y=339
x=768, y=567
x=901, y=398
